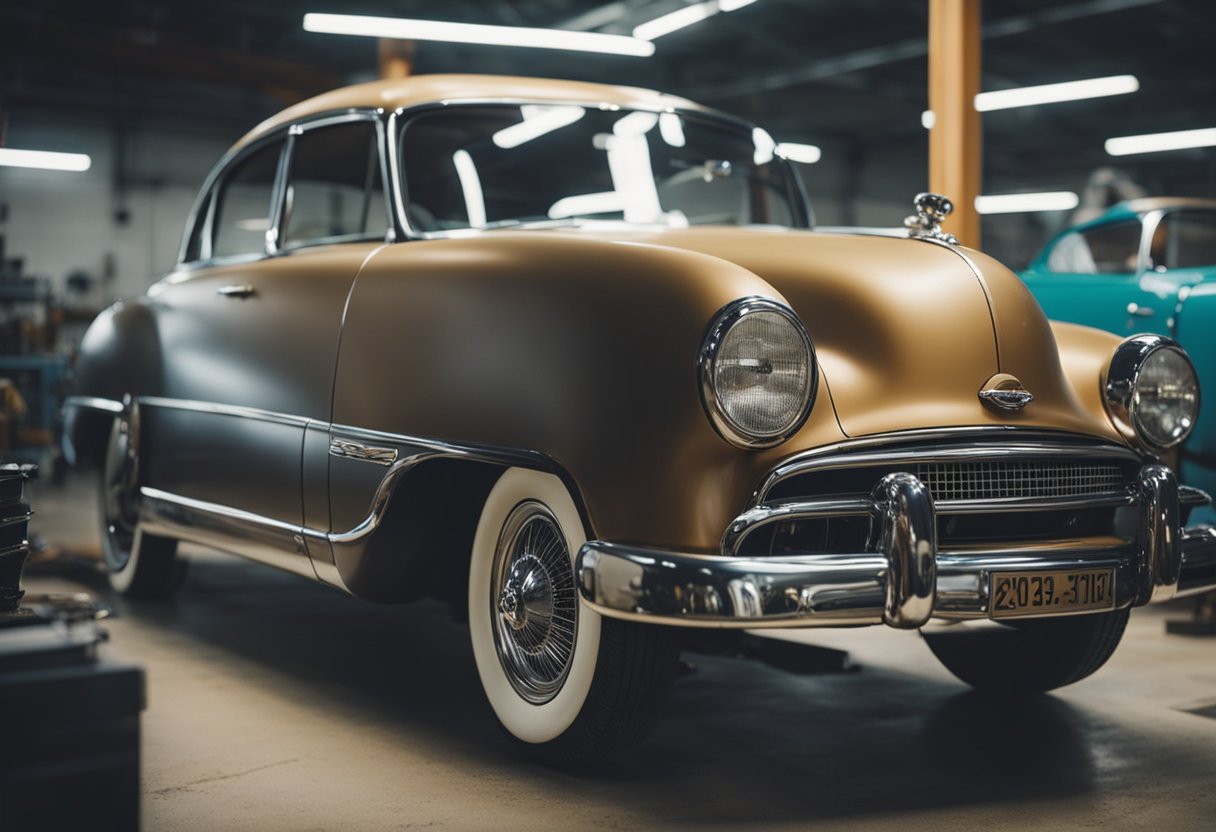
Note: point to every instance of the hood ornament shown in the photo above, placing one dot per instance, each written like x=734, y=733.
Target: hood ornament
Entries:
x=926, y=224
x=1004, y=392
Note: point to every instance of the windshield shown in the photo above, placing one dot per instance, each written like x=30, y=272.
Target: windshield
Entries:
x=480, y=166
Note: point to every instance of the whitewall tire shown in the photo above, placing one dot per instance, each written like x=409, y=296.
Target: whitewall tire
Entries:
x=566, y=684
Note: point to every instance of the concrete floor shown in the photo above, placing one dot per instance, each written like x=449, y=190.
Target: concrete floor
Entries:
x=277, y=704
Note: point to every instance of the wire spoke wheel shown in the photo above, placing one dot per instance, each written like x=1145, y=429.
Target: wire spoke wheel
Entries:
x=534, y=603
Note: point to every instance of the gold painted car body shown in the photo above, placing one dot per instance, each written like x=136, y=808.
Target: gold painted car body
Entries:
x=573, y=348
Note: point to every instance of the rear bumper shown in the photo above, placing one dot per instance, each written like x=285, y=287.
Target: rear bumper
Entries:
x=903, y=582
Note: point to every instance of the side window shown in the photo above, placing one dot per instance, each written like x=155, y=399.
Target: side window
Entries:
x=242, y=204
x=1184, y=240
x=334, y=187
x=1107, y=249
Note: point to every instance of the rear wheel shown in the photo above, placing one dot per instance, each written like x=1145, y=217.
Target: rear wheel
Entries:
x=139, y=565
x=1029, y=656
x=567, y=685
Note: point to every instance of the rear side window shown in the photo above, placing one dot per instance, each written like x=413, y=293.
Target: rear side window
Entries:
x=1107, y=249
x=335, y=190
x=242, y=204
x=1185, y=240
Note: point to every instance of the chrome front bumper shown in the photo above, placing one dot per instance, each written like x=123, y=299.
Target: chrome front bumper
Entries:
x=903, y=583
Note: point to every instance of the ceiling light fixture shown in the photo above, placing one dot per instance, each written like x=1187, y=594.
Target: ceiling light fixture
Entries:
x=805, y=154
x=476, y=33
x=1026, y=203
x=1053, y=93
x=1157, y=142
x=44, y=160
x=674, y=21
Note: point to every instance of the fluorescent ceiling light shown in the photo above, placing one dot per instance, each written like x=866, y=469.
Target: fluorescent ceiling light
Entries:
x=686, y=16
x=806, y=154
x=408, y=29
x=44, y=160
x=1052, y=93
x=539, y=119
x=1157, y=142
x=1026, y=203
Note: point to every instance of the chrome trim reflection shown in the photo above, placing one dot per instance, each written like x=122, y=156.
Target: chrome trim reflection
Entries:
x=219, y=409
x=1160, y=534
x=93, y=403
x=229, y=529
x=366, y=453
x=894, y=585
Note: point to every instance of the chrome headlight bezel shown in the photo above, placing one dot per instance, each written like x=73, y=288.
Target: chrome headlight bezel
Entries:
x=1122, y=381
x=722, y=323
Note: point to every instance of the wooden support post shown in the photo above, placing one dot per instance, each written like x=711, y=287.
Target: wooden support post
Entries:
x=395, y=58
x=955, y=140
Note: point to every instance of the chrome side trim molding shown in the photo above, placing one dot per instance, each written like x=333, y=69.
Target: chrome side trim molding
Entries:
x=366, y=453
x=93, y=403
x=218, y=409
x=229, y=529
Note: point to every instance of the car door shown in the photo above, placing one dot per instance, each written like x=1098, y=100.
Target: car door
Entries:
x=1094, y=275
x=250, y=332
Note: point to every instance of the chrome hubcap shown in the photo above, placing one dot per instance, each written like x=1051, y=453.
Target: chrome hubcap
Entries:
x=535, y=603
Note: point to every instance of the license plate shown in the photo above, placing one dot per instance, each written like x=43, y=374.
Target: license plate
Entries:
x=1045, y=593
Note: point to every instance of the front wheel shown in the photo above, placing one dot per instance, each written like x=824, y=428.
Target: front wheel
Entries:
x=567, y=685
x=139, y=565
x=1029, y=656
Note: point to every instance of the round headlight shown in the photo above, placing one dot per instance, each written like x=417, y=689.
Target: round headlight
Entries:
x=758, y=373
x=1152, y=392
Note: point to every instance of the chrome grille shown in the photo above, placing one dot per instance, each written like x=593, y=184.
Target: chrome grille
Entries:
x=1014, y=479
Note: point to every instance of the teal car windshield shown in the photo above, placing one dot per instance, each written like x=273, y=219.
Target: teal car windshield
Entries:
x=479, y=166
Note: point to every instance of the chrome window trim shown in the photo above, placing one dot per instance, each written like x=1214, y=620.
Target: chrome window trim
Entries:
x=719, y=326
x=286, y=132
x=400, y=118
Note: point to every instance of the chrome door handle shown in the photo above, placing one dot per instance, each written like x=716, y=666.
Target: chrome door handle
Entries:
x=243, y=290
x=1137, y=311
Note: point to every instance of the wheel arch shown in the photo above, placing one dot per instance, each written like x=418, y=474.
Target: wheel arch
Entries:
x=423, y=538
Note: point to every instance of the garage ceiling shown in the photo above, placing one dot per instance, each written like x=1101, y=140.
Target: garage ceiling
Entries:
x=849, y=76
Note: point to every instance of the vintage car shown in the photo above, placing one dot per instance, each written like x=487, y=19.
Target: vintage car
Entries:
x=1148, y=265
x=570, y=357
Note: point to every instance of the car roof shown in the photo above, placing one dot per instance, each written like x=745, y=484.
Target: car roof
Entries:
x=399, y=93
x=1159, y=203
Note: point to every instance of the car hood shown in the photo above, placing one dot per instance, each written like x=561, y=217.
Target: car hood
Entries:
x=906, y=331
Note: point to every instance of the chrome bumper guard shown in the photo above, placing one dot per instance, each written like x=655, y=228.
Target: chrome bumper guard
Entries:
x=903, y=583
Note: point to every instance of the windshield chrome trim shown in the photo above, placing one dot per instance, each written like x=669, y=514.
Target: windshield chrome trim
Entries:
x=400, y=117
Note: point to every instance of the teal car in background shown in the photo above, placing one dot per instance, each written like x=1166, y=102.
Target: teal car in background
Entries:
x=1145, y=266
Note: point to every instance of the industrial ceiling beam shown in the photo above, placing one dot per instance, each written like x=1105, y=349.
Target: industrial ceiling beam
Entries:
x=908, y=49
